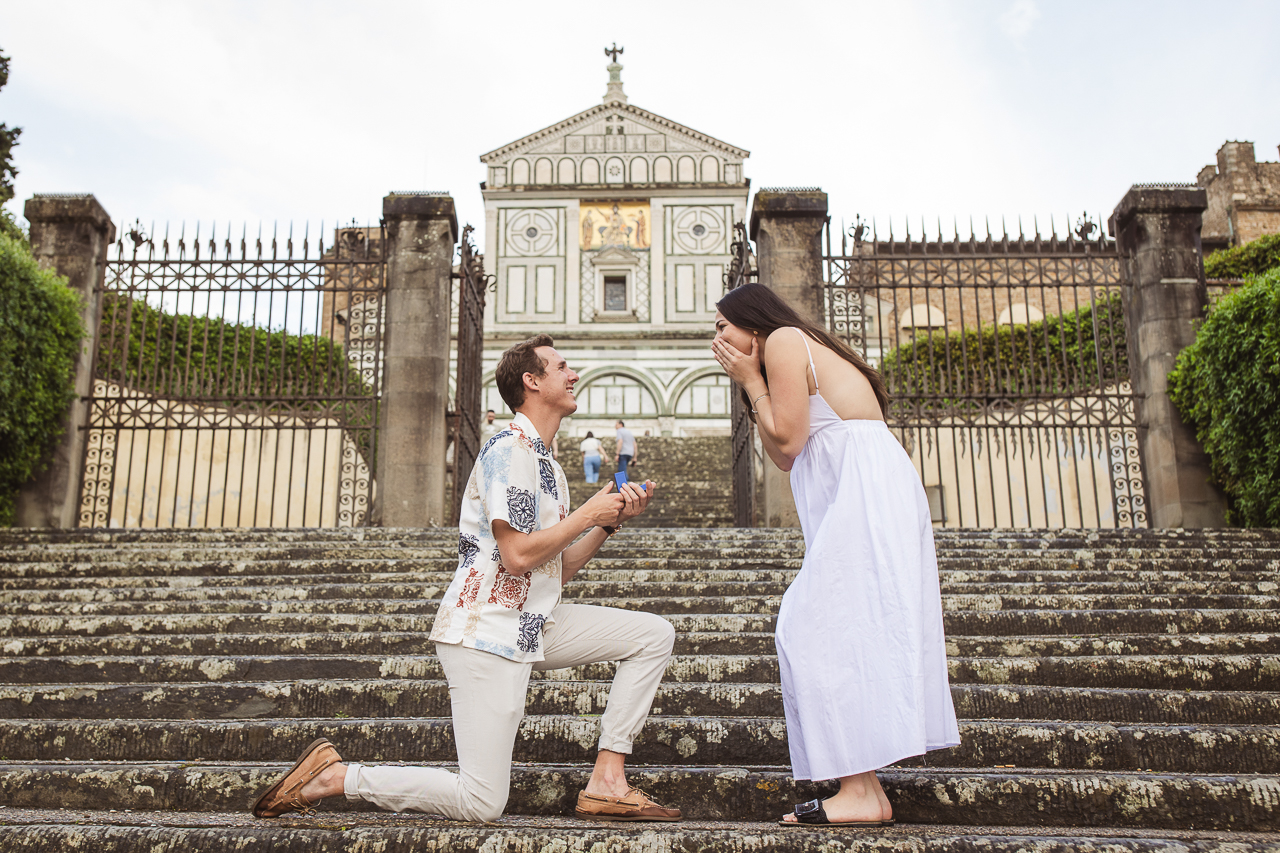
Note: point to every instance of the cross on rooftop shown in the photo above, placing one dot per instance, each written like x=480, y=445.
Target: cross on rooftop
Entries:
x=613, y=52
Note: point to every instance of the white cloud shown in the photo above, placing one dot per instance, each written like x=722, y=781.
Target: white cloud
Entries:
x=1018, y=19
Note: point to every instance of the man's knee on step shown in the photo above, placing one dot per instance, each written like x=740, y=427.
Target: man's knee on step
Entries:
x=484, y=806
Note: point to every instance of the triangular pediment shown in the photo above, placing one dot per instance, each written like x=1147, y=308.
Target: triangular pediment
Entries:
x=615, y=128
x=615, y=255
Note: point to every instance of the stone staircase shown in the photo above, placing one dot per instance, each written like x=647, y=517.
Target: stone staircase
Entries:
x=694, y=478
x=1118, y=691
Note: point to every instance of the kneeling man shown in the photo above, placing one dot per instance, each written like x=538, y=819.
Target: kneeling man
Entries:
x=502, y=618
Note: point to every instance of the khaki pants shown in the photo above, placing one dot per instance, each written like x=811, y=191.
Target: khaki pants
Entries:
x=487, y=693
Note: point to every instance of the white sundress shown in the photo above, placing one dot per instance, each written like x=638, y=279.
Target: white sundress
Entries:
x=859, y=634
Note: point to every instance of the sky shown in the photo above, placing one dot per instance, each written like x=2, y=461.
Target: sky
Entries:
x=279, y=111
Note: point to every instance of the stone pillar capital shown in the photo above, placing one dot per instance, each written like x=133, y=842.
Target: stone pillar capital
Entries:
x=1157, y=199
x=69, y=208
x=787, y=203
x=400, y=206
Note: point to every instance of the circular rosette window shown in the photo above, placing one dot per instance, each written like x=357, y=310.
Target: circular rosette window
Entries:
x=699, y=231
x=531, y=232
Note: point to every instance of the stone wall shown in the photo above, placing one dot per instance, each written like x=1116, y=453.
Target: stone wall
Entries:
x=1244, y=197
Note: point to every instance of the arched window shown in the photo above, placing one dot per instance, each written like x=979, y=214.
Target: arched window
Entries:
x=520, y=172
x=1019, y=314
x=617, y=395
x=686, y=170
x=542, y=171
x=615, y=171
x=710, y=168
x=662, y=170
x=567, y=171
x=590, y=171
x=639, y=170
x=708, y=395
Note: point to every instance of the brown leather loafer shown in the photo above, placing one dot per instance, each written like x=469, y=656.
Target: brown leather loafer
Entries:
x=286, y=795
x=636, y=805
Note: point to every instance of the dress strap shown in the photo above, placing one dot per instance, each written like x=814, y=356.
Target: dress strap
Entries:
x=805, y=338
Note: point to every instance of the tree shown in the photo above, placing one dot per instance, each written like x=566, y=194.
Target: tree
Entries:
x=8, y=139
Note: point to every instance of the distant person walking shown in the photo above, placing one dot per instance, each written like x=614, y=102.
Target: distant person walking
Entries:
x=626, y=449
x=859, y=632
x=489, y=428
x=591, y=457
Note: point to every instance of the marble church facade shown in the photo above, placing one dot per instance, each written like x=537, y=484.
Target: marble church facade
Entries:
x=611, y=231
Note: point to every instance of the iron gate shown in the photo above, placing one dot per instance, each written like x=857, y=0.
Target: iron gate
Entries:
x=236, y=381
x=464, y=420
x=743, y=440
x=1007, y=363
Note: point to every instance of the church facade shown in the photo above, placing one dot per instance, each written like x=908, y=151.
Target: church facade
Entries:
x=611, y=231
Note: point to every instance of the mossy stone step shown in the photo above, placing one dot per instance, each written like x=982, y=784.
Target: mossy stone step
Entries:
x=691, y=741
x=377, y=697
x=56, y=831
x=935, y=795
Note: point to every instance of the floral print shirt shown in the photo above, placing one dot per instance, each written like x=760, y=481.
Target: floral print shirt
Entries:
x=486, y=607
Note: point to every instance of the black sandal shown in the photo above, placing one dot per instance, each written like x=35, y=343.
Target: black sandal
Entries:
x=813, y=814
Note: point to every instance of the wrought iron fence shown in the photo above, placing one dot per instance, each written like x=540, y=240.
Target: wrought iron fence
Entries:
x=236, y=381
x=472, y=285
x=1007, y=362
x=743, y=436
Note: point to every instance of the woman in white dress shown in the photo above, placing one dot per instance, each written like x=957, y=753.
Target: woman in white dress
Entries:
x=859, y=633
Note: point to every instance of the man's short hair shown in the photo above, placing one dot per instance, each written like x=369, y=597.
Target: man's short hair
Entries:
x=620, y=423
x=489, y=411
x=515, y=363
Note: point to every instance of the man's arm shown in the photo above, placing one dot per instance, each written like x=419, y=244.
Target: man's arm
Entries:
x=524, y=552
x=580, y=553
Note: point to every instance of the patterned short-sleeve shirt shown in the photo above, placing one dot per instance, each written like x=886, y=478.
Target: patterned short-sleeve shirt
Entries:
x=486, y=607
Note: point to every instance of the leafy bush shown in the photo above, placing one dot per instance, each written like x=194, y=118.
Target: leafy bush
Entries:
x=40, y=336
x=1252, y=258
x=1227, y=387
x=231, y=365
x=1055, y=356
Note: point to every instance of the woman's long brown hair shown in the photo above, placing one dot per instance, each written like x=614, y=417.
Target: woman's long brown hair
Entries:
x=757, y=308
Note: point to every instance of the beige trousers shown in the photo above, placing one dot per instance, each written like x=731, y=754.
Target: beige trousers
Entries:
x=487, y=693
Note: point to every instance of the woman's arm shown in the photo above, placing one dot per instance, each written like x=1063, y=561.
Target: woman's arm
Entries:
x=779, y=458
x=782, y=417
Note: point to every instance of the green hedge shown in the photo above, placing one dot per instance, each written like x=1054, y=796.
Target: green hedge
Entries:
x=1227, y=387
x=1055, y=356
x=40, y=337
x=1252, y=258
x=224, y=363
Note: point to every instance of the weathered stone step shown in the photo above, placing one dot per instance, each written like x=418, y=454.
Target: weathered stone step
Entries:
x=628, y=574
x=701, y=642
x=1223, y=672
x=18, y=628
x=377, y=697
x=985, y=537
x=329, y=643
x=665, y=741
x=392, y=588
x=1003, y=623
x=56, y=831
x=1001, y=797
x=388, y=591
x=763, y=603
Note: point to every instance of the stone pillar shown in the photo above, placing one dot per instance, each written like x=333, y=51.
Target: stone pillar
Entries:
x=786, y=225
x=422, y=230
x=1157, y=231
x=70, y=234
